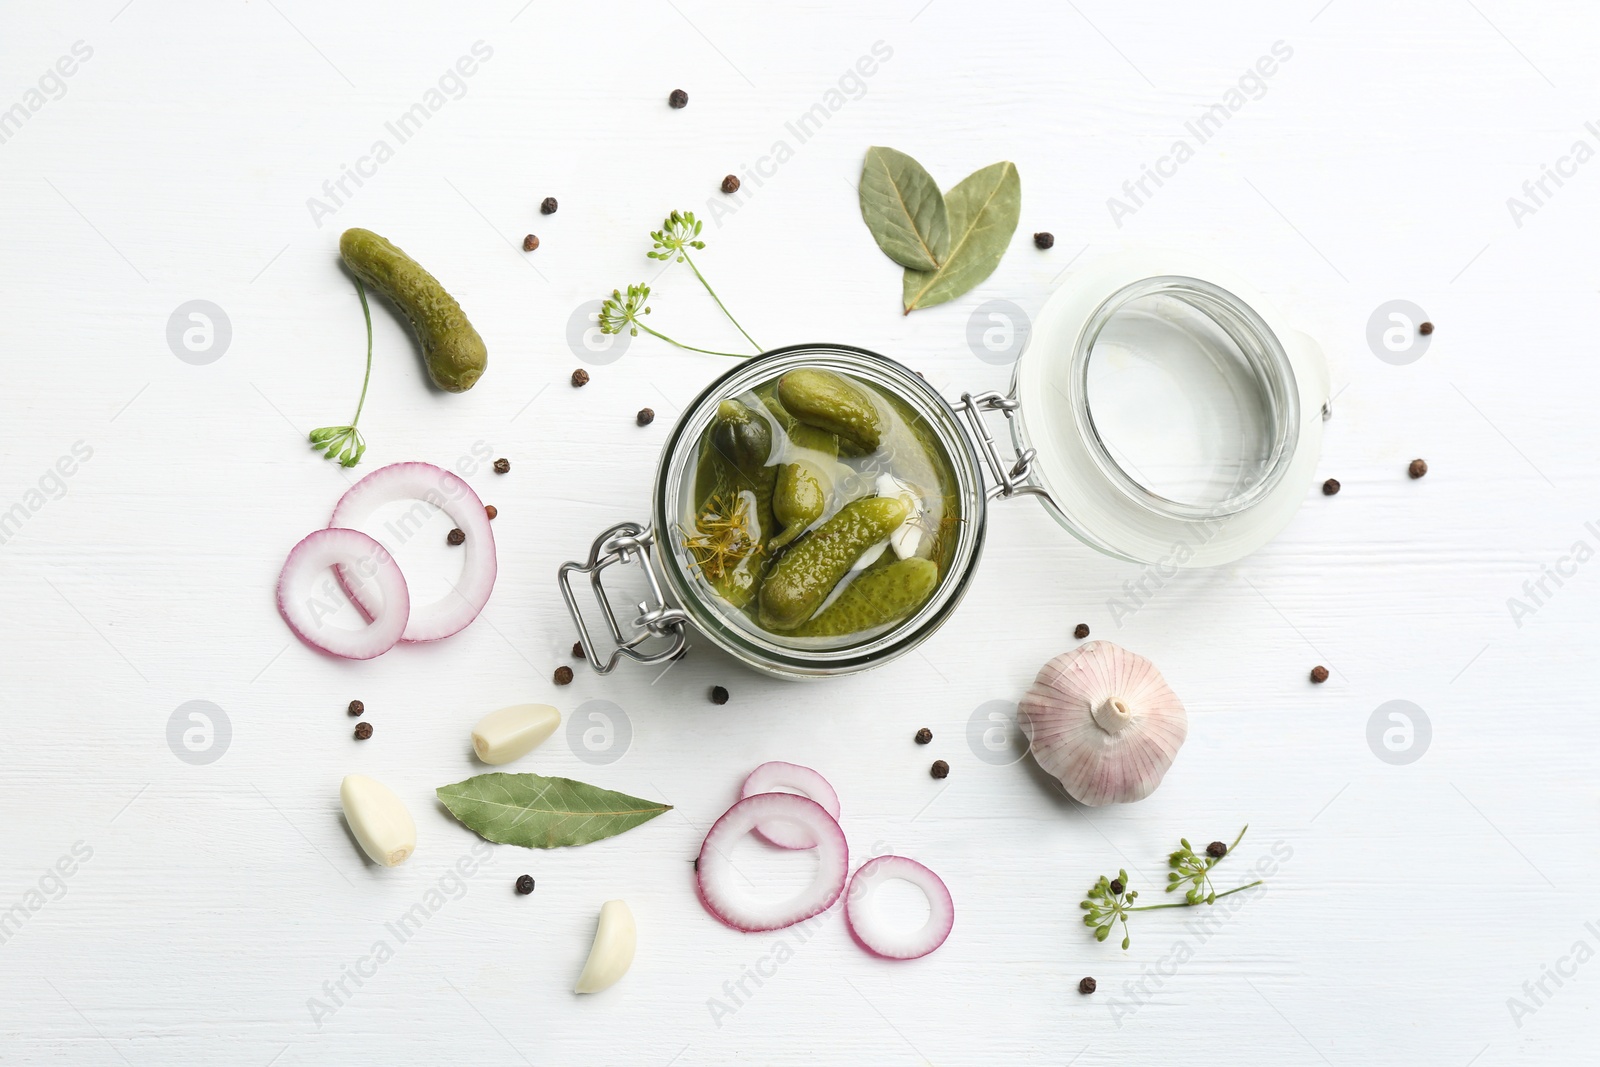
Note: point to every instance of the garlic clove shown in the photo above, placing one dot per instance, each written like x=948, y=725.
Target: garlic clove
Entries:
x=612, y=952
x=1104, y=722
x=907, y=540
x=511, y=733
x=908, y=537
x=868, y=558
x=379, y=820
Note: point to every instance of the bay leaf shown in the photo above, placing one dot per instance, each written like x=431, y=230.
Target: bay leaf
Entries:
x=984, y=208
x=538, y=812
x=903, y=209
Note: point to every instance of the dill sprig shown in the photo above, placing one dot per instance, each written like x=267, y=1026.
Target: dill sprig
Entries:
x=680, y=231
x=345, y=442
x=1110, y=901
x=724, y=539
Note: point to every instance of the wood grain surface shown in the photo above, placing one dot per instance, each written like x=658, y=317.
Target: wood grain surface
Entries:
x=155, y=910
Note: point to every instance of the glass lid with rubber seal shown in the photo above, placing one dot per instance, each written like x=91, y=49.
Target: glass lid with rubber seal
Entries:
x=1172, y=415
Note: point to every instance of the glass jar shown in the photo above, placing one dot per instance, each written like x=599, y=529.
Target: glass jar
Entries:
x=1162, y=413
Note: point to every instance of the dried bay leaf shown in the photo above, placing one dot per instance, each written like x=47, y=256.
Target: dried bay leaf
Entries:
x=538, y=812
x=904, y=210
x=984, y=208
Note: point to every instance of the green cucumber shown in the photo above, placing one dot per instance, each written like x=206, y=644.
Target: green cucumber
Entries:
x=877, y=597
x=827, y=401
x=798, y=500
x=800, y=581
x=451, y=349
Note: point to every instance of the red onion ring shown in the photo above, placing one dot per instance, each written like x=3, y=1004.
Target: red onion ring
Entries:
x=776, y=777
x=864, y=923
x=448, y=493
x=305, y=608
x=715, y=874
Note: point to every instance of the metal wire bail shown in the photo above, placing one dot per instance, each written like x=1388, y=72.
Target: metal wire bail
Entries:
x=1007, y=481
x=626, y=542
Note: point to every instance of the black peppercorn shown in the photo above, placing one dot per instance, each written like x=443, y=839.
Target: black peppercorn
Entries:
x=501, y=466
x=1418, y=468
x=924, y=735
x=1319, y=674
x=524, y=884
x=548, y=206
x=1330, y=487
x=563, y=675
x=1044, y=240
x=577, y=650
x=1425, y=329
x=580, y=377
x=356, y=707
x=1087, y=986
x=719, y=695
x=1081, y=631
x=1116, y=887
x=455, y=537
x=940, y=769
x=363, y=731
x=678, y=98
x=529, y=243
x=645, y=417
x=730, y=184
x=1216, y=850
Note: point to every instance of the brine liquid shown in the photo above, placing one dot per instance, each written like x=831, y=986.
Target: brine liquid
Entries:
x=908, y=451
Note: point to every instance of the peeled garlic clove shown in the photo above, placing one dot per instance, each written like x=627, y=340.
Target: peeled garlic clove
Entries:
x=868, y=558
x=612, y=952
x=511, y=733
x=907, y=538
x=380, y=822
x=1103, y=721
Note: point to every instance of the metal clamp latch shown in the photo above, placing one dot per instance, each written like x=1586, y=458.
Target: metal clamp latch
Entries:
x=626, y=543
x=1008, y=481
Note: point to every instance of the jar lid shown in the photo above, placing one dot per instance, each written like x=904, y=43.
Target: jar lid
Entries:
x=1175, y=417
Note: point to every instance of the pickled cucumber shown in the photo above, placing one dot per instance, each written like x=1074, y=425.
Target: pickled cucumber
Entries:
x=800, y=581
x=451, y=349
x=741, y=436
x=734, y=484
x=825, y=519
x=825, y=400
x=734, y=461
x=798, y=500
x=877, y=597
x=800, y=434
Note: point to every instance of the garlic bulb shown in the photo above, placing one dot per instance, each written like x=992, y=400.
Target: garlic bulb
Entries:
x=1102, y=720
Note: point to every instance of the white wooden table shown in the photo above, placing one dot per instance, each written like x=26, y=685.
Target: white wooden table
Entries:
x=210, y=907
